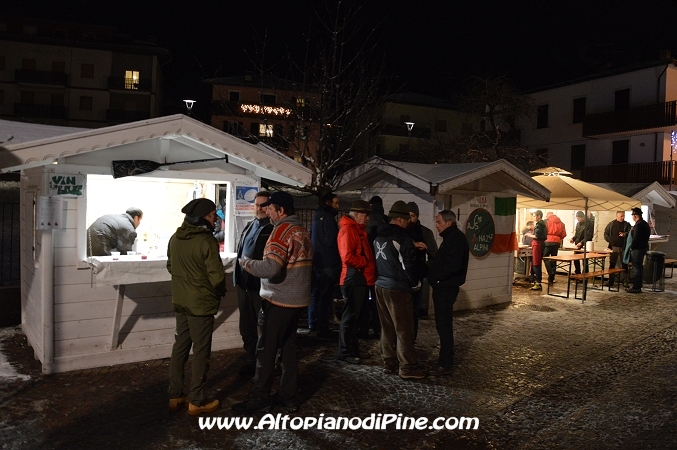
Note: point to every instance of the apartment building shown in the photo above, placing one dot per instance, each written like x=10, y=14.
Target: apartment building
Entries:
x=612, y=127
x=77, y=75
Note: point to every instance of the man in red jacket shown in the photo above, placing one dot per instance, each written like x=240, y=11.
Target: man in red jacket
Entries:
x=556, y=233
x=358, y=272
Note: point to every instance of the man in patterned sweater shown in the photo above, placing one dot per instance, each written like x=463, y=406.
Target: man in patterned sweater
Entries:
x=285, y=274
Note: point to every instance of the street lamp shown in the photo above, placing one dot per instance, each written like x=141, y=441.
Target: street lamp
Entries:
x=189, y=106
x=410, y=126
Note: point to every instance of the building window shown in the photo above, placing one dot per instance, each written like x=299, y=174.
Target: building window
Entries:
x=233, y=96
x=87, y=71
x=542, y=117
x=85, y=103
x=622, y=99
x=301, y=132
x=542, y=155
x=2, y=97
x=131, y=79
x=300, y=102
x=58, y=66
x=234, y=128
x=441, y=126
x=466, y=128
x=404, y=118
x=265, y=130
x=620, y=151
x=268, y=99
x=577, y=156
x=579, y=110
x=2, y=62
x=27, y=98
x=28, y=64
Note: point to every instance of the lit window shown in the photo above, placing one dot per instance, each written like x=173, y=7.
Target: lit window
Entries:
x=131, y=79
x=300, y=102
x=265, y=130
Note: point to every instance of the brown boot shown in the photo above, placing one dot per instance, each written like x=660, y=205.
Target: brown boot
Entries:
x=209, y=406
x=177, y=403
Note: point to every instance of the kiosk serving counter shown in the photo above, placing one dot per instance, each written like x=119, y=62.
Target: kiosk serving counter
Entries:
x=80, y=312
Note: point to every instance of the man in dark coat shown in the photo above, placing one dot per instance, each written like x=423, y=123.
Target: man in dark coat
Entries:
x=447, y=272
x=251, y=245
x=326, y=265
x=640, y=233
x=582, y=233
x=616, y=234
x=198, y=283
x=113, y=233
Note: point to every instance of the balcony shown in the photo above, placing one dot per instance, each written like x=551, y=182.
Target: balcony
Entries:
x=630, y=173
x=129, y=84
x=120, y=115
x=633, y=121
x=401, y=130
x=29, y=110
x=41, y=77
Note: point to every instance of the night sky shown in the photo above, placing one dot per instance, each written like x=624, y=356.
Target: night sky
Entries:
x=430, y=46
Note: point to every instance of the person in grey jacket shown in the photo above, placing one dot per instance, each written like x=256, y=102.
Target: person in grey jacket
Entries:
x=113, y=233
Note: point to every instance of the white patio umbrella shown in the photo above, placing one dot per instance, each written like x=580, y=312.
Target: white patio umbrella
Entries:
x=570, y=193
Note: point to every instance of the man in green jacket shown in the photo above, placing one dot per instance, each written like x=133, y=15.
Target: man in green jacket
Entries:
x=198, y=283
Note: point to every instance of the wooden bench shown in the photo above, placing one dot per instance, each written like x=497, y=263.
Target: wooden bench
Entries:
x=671, y=262
x=598, y=273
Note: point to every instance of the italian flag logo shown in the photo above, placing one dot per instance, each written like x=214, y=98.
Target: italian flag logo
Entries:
x=505, y=238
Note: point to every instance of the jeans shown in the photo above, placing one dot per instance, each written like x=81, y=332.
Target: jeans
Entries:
x=322, y=298
x=637, y=258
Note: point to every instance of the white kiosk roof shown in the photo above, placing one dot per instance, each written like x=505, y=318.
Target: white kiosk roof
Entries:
x=168, y=139
x=496, y=176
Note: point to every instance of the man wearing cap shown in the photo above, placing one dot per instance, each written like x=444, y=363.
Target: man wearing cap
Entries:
x=113, y=232
x=582, y=234
x=357, y=274
x=326, y=265
x=198, y=283
x=426, y=247
x=285, y=273
x=251, y=245
x=448, y=271
x=639, y=234
x=396, y=281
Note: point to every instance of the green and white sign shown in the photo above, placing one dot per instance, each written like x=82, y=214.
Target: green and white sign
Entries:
x=479, y=230
x=66, y=185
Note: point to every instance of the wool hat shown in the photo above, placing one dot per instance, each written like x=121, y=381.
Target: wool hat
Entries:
x=580, y=214
x=413, y=208
x=376, y=199
x=199, y=207
x=637, y=211
x=360, y=206
x=280, y=198
x=399, y=209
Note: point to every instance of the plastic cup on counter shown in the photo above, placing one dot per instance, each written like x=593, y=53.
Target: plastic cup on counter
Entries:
x=115, y=255
x=144, y=256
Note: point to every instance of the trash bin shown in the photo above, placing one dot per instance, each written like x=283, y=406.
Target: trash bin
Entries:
x=654, y=268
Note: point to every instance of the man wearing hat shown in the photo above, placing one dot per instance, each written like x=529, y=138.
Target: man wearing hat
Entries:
x=285, y=273
x=639, y=234
x=198, y=283
x=396, y=281
x=357, y=274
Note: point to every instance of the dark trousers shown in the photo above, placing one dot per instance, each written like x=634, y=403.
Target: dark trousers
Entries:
x=354, y=297
x=369, y=316
x=278, y=331
x=637, y=258
x=249, y=302
x=322, y=298
x=416, y=299
x=550, y=266
x=443, y=299
x=397, y=329
x=617, y=255
x=196, y=332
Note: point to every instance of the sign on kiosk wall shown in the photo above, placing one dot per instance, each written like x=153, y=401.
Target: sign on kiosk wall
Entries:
x=244, y=200
x=66, y=185
x=479, y=230
x=50, y=213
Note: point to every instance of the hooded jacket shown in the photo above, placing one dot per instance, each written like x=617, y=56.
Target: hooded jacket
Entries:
x=357, y=257
x=198, y=276
x=395, y=257
x=286, y=268
x=376, y=218
x=555, y=229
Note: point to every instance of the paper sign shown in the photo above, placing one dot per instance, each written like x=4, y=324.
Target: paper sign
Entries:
x=244, y=200
x=50, y=213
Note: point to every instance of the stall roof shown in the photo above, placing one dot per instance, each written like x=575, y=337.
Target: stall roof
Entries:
x=652, y=193
x=496, y=176
x=168, y=139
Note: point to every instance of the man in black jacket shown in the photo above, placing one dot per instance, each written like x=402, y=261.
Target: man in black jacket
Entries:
x=251, y=245
x=447, y=272
x=616, y=234
x=395, y=257
x=640, y=234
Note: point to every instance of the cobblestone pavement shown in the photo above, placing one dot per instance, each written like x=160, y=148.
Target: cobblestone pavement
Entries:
x=540, y=372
